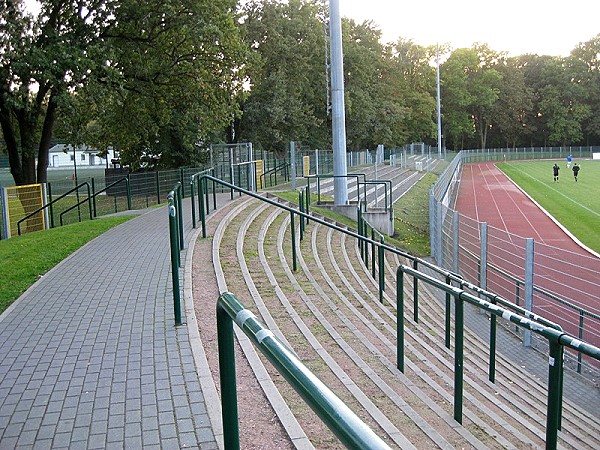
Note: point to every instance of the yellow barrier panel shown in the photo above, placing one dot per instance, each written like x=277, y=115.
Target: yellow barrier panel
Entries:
x=306, y=164
x=260, y=169
x=22, y=201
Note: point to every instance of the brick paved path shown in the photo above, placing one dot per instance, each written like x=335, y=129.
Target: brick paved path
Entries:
x=90, y=357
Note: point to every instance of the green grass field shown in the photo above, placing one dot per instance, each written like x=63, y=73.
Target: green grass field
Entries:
x=26, y=258
x=576, y=205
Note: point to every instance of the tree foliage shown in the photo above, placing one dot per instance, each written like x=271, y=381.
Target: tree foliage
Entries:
x=149, y=78
x=157, y=79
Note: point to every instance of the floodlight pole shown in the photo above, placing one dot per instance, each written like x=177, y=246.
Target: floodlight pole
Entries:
x=340, y=193
x=439, y=103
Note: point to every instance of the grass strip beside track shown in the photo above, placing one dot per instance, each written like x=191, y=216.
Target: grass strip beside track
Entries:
x=576, y=205
x=411, y=212
x=26, y=258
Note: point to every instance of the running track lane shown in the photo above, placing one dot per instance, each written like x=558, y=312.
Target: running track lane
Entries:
x=487, y=195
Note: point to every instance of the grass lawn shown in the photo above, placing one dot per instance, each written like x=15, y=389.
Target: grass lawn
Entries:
x=576, y=205
x=25, y=258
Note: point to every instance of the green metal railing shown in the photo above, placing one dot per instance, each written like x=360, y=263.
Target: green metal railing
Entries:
x=377, y=252
x=582, y=312
x=304, y=218
x=557, y=341
x=498, y=306
x=340, y=419
x=177, y=243
x=284, y=168
x=50, y=204
x=362, y=200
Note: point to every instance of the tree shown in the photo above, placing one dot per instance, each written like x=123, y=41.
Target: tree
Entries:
x=122, y=73
x=42, y=60
x=286, y=97
x=584, y=63
x=514, y=106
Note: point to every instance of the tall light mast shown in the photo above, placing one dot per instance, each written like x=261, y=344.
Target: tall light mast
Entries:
x=340, y=193
x=439, y=103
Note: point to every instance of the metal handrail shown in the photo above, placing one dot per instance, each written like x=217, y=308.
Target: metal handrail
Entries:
x=340, y=419
x=49, y=205
x=581, y=311
x=557, y=341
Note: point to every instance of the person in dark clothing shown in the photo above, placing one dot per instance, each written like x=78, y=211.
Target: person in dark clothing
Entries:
x=576, y=170
x=556, y=169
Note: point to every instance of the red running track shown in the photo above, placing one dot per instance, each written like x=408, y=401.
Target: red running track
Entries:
x=561, y=266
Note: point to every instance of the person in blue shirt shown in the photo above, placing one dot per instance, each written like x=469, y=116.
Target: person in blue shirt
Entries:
x=569, y=160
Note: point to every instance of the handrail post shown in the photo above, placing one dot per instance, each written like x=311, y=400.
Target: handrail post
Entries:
x=192, y=199
x=400, y=319
x=301, y=206
x=359, y=226
x=178, y=195
x=307, y=199
x=293, y=230
x=94, y=197
x=207, y=197
x=175, y=258
x=415, y=293
x=201, y=205
x=373, y=258
x=50, y=206
x=231, y=434
x=381, y=270
x=555, y=367
x=458, y=358
x=89, y=199
x=492, y=368
x=448, y=318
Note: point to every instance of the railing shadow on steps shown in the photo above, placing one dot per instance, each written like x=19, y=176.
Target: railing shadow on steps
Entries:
x=557, y=338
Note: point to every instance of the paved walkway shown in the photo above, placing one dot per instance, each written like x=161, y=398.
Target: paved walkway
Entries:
x=90, y=357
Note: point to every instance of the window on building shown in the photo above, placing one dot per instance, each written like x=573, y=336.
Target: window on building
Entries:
x=83, y=156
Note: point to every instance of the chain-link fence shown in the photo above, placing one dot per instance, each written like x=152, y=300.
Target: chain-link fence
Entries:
x=560, y=285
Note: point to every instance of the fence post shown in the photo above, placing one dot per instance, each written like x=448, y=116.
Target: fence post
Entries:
x=483, y=257
x=157, y=187
x=439, y=232
x=529, y=248
x=455, y=241
x=128, y=187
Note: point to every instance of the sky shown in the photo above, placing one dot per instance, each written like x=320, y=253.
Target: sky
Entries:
x=542, y=27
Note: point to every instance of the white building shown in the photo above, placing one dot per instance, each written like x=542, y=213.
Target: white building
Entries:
x=65, y=155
